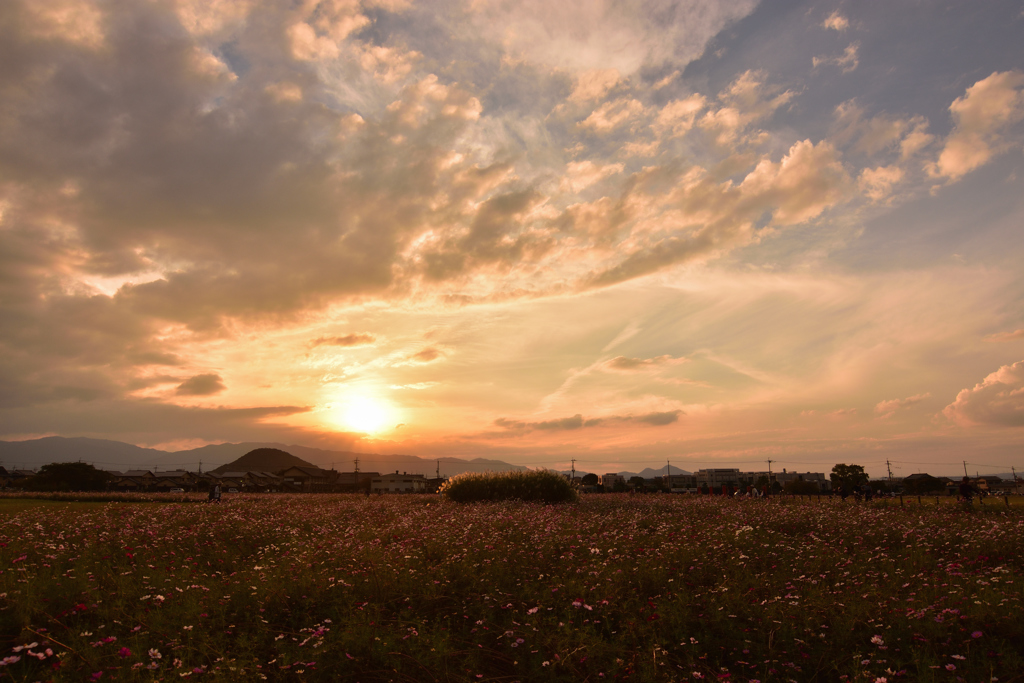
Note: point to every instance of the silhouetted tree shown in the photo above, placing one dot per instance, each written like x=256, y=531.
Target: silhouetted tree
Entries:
x=848, y=475
x=590, y=479
x=68, y=476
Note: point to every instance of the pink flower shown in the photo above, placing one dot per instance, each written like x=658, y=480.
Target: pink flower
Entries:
x=97, y=676
x=951, y=667
x=977, y=634
x=877, y=640
x=125, y=653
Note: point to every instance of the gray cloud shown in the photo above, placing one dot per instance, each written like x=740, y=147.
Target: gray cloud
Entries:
x=201, y=385
x=579, y=422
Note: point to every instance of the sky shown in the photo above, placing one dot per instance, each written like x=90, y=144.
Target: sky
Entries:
x=711, y=233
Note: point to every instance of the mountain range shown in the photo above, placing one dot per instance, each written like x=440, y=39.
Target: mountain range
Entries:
x=116, y=455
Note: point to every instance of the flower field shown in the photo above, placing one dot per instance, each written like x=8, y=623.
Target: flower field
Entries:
x=411, y=588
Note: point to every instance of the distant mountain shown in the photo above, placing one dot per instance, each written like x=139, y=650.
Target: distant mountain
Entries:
x=263, y=460
x=115, y=455
x=104, y=454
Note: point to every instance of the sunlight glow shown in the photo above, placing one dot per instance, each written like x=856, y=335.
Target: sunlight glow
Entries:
x=366, y=414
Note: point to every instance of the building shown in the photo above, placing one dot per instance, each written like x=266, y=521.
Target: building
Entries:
x=679, y=483
x=399, y=483
x=307, y=479
x=819, y=479
x=611, y=479
x=715, y=479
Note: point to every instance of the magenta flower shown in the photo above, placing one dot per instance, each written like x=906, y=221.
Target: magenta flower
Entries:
x=125, y=653
x=977, y=634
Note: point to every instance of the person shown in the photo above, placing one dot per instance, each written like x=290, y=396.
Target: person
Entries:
x=214, y=494
x=967, y=491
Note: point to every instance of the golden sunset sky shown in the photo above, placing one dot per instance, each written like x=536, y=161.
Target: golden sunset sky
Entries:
x=708, y=232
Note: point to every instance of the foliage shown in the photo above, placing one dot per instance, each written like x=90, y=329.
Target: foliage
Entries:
x=619, y=587
x=535, y=485
x=590, y=479
x=848, y=476
x=799, y=487
x=68, y=476
x=924, y=484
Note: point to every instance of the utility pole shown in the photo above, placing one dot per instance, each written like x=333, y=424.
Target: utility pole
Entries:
x=769, y=476
x=200, y=467
x=574, y=470
x=1014, y=480
x=889, y=467
x=965, y=469
x=438, y=469
x=357, y=469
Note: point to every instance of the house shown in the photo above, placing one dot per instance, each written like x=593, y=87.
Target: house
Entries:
x=354, y=481
x=308, y=479
x=263, y=482
x=399, y=483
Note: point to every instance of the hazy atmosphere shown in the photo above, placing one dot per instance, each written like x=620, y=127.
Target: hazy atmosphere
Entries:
x=623, y=233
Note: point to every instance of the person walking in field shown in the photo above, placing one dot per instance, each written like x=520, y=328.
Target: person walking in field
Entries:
x=214, y=494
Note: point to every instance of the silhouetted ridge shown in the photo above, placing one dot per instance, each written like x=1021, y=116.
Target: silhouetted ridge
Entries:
x=263, y=460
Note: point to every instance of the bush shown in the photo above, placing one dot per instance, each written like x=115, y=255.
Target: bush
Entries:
x=539, y=485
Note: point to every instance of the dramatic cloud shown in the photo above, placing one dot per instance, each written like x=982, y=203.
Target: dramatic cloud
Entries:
x=997, y=400
x=454, y=211
x=201, y=385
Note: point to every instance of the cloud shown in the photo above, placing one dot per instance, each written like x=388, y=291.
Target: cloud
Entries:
x=352, y=339
x=836, y=22
x=886, y=409
x=1005, y=336
x=428, y=355
x=798, y=188
x=625, y=364
x=980, y=116
x=594, y=84
x=877, y=183
x=657, y=419
x=201, y=385
x=848, y=61
x=997, y=400
x=582, y=35
x=748, y=98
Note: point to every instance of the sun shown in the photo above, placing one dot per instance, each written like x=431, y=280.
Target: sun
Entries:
x=365, y=414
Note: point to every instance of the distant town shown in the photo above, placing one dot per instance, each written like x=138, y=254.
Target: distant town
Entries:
x=270, y=470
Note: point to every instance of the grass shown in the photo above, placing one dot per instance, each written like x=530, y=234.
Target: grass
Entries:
x=413, y=588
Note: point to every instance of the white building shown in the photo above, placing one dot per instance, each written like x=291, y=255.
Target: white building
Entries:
x=399, y=483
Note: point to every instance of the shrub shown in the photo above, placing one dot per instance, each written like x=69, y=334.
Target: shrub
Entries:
x=539, y=485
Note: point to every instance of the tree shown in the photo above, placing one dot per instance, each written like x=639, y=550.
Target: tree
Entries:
x=848, y=476
x=68, y=476
x=637, y=482
x=799, y=487
x=589, y=479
